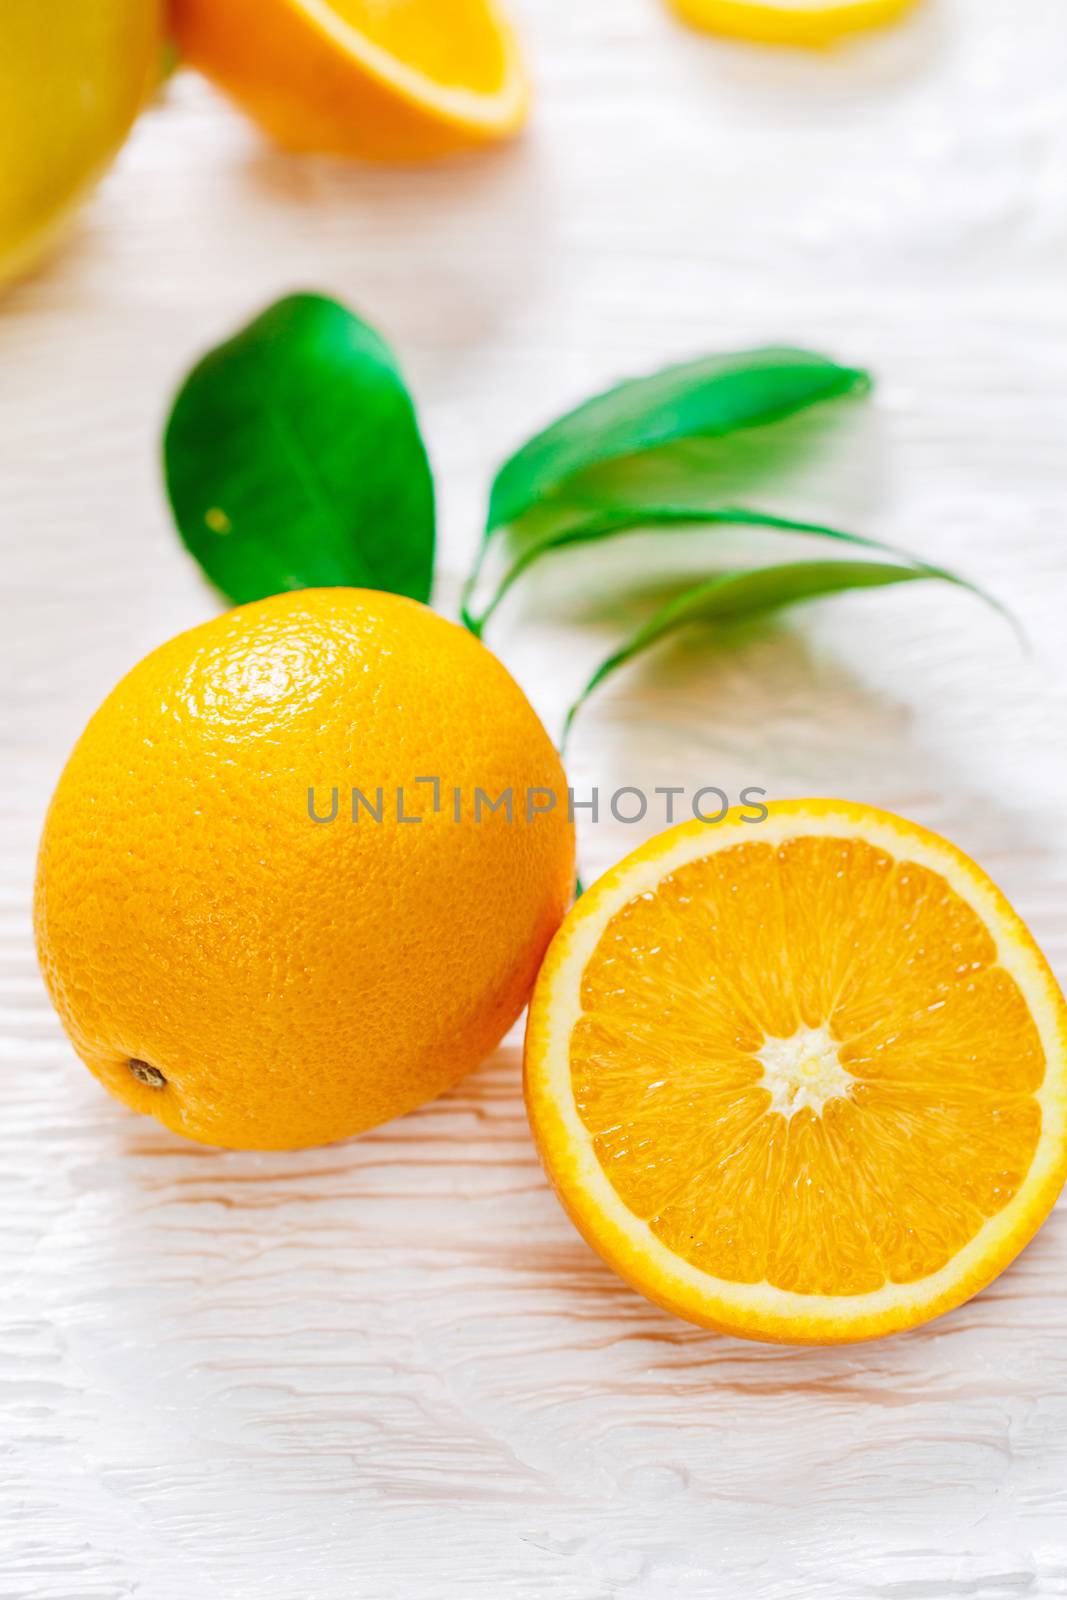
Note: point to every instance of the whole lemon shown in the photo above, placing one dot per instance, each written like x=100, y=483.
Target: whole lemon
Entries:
x=72, y=79
x=301, y=869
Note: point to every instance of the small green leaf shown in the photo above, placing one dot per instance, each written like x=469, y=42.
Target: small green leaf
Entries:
x=293, y=459
x=738, y=596
x=609, y=521
x=708, y=398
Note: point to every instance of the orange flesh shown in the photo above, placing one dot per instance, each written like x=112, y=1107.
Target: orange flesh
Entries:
x=457, y=45
x=931, y=1062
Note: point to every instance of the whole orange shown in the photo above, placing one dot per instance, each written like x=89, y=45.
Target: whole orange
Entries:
x=257, y=978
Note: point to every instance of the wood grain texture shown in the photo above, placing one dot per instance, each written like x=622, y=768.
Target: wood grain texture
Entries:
x=390, y=1370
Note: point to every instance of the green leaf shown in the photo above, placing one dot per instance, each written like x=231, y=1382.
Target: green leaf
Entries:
x=739, y=596
x=708, y=398
x=293, y=459
x=609, y=521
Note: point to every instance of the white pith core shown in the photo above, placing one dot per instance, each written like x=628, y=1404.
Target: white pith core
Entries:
x=803, y=1072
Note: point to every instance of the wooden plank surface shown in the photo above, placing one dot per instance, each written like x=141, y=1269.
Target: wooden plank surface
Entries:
x=391, y=1370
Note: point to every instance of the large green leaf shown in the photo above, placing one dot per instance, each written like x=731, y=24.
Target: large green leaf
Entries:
x=707, y=398
x=738, y=596
x=293, y=459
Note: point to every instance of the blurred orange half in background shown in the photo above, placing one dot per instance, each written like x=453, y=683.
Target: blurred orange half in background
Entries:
x=402, y=82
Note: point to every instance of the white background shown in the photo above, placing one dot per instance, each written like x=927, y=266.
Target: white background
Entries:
x=390, y=1370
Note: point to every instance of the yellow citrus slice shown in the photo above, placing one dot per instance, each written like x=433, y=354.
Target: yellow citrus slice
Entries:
x=806, y=22
x=399, y=81
x=801, y=1079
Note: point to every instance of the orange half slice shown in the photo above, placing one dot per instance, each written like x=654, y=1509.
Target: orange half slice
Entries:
x=802, y=1079
x=402, y=80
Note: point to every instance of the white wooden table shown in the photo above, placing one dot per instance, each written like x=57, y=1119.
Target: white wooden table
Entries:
x=390, y=1370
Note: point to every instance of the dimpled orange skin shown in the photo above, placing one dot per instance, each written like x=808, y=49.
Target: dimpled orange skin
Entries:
x=295, y=982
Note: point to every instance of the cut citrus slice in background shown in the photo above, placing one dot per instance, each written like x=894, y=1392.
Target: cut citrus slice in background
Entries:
x=805, y=22
x=401, y=81
x=802, y=1079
